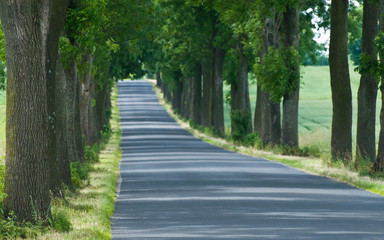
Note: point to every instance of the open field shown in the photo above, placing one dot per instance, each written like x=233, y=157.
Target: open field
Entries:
x=315, y=107
x=2, y=124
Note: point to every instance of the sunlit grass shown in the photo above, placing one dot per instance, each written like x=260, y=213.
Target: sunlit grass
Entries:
x=90, y=209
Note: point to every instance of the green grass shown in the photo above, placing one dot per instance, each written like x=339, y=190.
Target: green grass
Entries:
x=315, y=107
x=90, y=209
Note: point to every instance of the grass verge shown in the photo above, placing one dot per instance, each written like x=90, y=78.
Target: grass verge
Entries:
x=310, y=165
x=90, y=208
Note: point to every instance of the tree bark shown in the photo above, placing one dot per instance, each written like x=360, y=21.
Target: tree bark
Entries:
x=61, y=172
x=206, y=118
x=367, y=94
x=196, y=95
x=217, y=92
x=258, y=112
x=379, y=162
x=265, y=132
x=275, y=123
x=158, y=79
x=341, y=140
x=31, y=30
x=291, y=37
x=176, y=97
x=86, y=88
x=242, y=94
x=270, y=131
x=74, y=138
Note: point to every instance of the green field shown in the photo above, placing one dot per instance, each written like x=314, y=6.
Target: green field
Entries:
x=315, y=107
x=2, y=124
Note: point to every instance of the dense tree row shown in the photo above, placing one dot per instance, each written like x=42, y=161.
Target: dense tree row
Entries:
x=62, y=58
x=201, y=44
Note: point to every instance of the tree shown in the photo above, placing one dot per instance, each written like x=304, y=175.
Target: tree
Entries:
x=367, y=94
x=28, y=25
x=2, y=60
x=341, y=140
x=379, y=42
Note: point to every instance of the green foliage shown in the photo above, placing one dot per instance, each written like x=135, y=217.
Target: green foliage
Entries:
x=91, y=153
x=2, y=194
x=60, y=221
x=241, y=128
x=79, y=172
x=277, y=73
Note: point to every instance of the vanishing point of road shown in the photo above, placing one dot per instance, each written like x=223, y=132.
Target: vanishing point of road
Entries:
x=174, y=186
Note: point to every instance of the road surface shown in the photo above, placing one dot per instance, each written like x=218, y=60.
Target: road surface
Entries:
x=174, y=186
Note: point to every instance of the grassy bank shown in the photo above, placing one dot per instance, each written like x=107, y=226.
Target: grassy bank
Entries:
x=311, y=165
x=90, y=209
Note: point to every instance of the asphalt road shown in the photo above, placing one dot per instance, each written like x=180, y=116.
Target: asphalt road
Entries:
x=174, y=186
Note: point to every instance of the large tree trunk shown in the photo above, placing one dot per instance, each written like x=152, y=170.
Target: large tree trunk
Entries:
x=86, y=89
x=265, y=132
x=379, y=163
x=217, y=92
x=367, y=95
x=341, y=140
x=166, y=93
x=176, y=97
x=206, y=118
x=158, y=79
x=275, y=123
x=61, y=172
x=242, y=93
x=31, y=30
x=258, y=112
x=290, y=133
x=196, y=96
x=270, y=131
x=72, y=123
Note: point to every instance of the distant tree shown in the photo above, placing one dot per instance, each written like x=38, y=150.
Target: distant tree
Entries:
x=341, y=140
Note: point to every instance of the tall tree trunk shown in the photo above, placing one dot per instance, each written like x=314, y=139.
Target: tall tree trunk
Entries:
x=258, y=112
x=166, y=92
x=72, y=102
x=86, y=88
x=275, y=123
x=196, y=95
x=176, y=97
x=158, y=79
x=187, y=98
x=270, y=131
x=379, y=162
x=31, y=30
x=61, y=172
x=206, y=118
x=290, y=133
x=242, y=96
x=265, y=132
x=341, y=140
x=367, y=94
x=217, y=92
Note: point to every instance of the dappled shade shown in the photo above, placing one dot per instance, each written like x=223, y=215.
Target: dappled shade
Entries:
x=174, y=186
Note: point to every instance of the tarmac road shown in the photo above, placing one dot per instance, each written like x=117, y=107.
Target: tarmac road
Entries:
x=174, y=186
